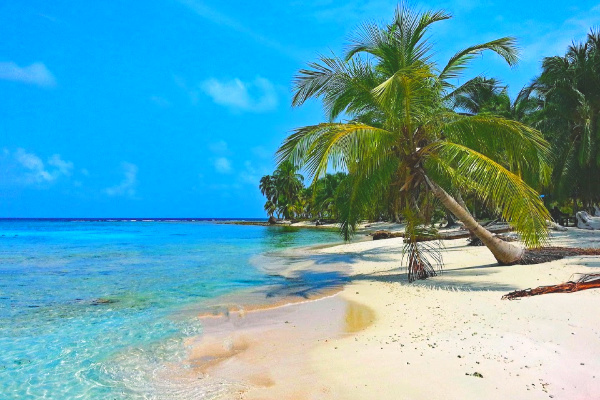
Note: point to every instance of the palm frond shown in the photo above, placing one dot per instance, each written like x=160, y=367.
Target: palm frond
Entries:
x=521, y=147
x=399, y=44
x=335, y=144
x=422, y=251
x=505, y=47
x=472, y=95
x=359, y=192
x=519, y=204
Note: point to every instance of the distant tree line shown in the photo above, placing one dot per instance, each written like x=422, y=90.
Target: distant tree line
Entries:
x=288, y=198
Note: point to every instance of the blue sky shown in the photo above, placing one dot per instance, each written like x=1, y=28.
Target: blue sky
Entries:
x=175, y=108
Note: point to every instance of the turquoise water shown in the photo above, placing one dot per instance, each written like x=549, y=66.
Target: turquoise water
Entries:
x=86, y=308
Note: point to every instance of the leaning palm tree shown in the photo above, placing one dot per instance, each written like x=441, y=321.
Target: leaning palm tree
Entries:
x=402, y=135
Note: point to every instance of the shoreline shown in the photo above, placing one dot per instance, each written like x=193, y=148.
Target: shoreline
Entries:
x=451, y=329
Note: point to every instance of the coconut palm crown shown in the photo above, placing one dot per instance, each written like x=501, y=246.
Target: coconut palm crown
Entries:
x=570, y=86
x=401, y=133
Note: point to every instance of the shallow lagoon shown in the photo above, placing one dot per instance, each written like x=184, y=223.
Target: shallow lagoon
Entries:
x=93, y=309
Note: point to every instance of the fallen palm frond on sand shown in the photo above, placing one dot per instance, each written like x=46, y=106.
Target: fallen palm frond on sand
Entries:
x=546, y=254
x=585, y=281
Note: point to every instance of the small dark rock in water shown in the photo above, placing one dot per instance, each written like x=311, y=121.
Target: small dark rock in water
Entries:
x=101, y=300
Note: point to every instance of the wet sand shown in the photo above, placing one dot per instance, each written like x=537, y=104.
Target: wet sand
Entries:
x=267, y=350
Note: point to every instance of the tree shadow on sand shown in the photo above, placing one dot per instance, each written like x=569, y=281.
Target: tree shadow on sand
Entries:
x=308, y=283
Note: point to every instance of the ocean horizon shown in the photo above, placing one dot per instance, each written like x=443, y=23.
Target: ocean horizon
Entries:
x=97, y=307
x=134, y=219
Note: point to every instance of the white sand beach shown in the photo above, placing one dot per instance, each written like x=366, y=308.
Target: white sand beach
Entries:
x=448, y=337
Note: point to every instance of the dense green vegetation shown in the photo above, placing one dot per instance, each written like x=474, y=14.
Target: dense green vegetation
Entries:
x=564, y=104
x=413, y=143
x=288, y=198
x=570, y=119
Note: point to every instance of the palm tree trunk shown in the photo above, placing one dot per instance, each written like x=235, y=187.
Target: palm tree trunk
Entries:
x=460, y=200
x=504, y=252
x=462, y=203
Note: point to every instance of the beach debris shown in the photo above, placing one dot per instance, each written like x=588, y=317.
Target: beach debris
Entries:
x=556, y=227
x=474, y=240
x=547, y=254
x=475, y=374
x=585, y=281
x=507, y=237
x=381, y=234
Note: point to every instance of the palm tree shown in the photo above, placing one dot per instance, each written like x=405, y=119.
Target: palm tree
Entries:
x=478, y=95
x=488, y=96
x=269, y=190
x=570, y=86
x=325, y=194
x=282, y=190
x=402, y=134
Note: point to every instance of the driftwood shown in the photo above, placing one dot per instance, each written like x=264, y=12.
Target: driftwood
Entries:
x=585, y=281
x=475, y=241
x=377, y=235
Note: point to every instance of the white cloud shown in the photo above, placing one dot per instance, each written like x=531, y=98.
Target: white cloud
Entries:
x=251, y=174
x=258, y=95
x=29, y=160
x=64, y=167
x=34, y=74
x=36, y=171
x=128, y=185
x=223, y=165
